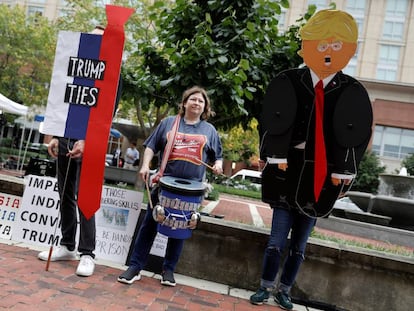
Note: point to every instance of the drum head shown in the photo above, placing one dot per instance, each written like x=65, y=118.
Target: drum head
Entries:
x=182, y=186
x=279, y=105
x=352, y=120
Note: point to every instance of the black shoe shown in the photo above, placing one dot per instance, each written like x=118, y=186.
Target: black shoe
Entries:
x=261, y=296
x=130, y=276
x=283, y=300
x=168, y=278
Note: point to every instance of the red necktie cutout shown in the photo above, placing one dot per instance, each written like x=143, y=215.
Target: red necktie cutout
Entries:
x=320, y=153
x=100, y=118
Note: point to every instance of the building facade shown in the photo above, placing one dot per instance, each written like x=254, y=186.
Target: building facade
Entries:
x=51, y=9
x=382, y=63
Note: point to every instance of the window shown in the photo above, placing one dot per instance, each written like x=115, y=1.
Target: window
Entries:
x=35, y=11
x=387, y=67
x=281, y=20
x=357, y=9
x=394, y=21
x=64, y=12
x=393, y=30
x=320, y=4
x=350, y=69
x=396, y=7
x=255, y=180
x=407, y=143
x=102, y=3
x=393, y=142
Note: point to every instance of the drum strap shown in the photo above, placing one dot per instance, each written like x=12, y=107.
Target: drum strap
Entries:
x=168, y=148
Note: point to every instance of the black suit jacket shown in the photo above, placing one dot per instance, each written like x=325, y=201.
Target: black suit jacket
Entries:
x=287, y=128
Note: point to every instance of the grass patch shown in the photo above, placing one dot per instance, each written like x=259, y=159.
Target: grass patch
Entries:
x=254, y=194
x=390, y=249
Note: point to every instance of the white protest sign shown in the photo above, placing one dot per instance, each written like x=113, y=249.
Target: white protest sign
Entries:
x=115, y=223
x=159, y=246
x=38, y=218
x=9, y=205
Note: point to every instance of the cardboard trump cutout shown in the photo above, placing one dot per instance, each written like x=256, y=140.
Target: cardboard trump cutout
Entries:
x=316, y=121
x=82, y=96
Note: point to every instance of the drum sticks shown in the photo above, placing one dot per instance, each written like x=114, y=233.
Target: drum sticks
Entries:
x=209, y=166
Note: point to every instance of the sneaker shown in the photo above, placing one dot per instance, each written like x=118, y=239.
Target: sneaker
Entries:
x=86, y=266
x=58, y=253
x=283, y=300
x=129, y=276
x=261, y=295
x=168, y=278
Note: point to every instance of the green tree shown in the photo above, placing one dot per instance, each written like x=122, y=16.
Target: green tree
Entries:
x=233, y=48
x=230, y=47
x=408, y=163
x=240, y=144
x=27, y=46
x=368, y=173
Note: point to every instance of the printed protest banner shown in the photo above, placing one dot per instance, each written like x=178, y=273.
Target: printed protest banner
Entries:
x=37, y=222
x=115, y=223
x=9, y=206
x=159, y=246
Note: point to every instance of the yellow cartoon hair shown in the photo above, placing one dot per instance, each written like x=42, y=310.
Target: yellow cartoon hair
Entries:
x=330, y=23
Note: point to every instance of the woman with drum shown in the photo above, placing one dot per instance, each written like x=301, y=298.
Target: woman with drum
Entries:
x=186, y=142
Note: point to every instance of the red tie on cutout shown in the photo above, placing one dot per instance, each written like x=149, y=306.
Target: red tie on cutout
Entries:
x=100, y=117
x=320, y=153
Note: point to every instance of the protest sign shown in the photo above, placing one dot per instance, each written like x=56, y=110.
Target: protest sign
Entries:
x=9, y=205
x=38, y=223
x=115, y=223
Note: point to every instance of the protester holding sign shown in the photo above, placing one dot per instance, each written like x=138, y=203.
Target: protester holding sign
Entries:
x=190, y=146
x=69, y=153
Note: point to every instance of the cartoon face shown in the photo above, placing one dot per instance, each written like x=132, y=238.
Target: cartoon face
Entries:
x=327, y=56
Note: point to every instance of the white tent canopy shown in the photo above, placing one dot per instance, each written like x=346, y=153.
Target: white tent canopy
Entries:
x=7, y=105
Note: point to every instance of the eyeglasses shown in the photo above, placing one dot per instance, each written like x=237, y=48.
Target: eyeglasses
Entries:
x=196, y=99
x=324, y=45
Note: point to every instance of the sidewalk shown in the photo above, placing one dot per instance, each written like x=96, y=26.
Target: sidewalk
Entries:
x=25, y=285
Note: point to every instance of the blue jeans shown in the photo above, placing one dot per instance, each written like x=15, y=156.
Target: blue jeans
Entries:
x=283, y=221
x=145, y=238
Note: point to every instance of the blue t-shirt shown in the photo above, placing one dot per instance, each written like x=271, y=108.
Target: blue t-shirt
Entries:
x=193, y=142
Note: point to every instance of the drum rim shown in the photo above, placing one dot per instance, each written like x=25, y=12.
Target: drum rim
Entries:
x=182, y=190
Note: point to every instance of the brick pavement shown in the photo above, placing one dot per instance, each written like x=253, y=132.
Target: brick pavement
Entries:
x=25, y=285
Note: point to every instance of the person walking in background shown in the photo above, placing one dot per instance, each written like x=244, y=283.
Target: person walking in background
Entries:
x=196, y=142
x=69, y=162
x=131, y=157
x=315, y=127
x=117, y=158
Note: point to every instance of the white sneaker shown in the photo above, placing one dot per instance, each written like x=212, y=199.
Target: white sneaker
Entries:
x=86, y=266
x=58, y=253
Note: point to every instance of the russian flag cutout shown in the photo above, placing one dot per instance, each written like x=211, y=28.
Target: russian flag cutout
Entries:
x=82, y=97
x=72, y=88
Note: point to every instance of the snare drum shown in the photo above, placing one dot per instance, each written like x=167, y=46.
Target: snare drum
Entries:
x=180, y=198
